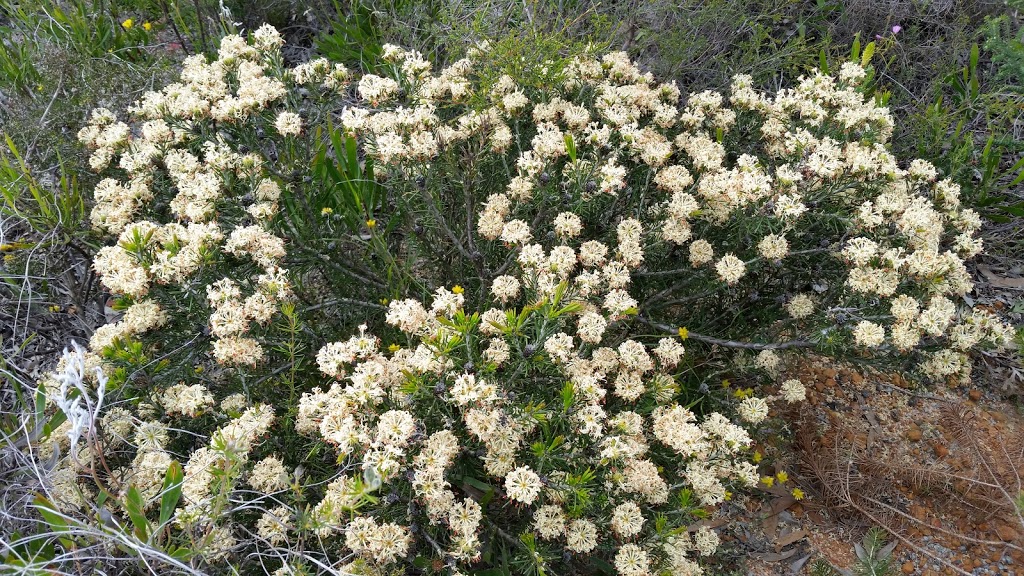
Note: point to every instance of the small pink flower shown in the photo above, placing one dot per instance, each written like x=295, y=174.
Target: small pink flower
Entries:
x=896, y=29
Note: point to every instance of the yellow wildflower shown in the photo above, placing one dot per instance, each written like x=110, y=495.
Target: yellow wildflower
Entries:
x=127, y=24
x=758, y=456
x=147, y=26
x=326, y=211
x=768, y=481
x=743, y=393
x=684, y=333
x=371, y=224
x=797, y=493
x=394, y=348
x=457, y=289
x=782, y=476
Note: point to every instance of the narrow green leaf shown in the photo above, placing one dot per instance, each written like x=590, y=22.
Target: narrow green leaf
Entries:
x=40, y=402
x=478, y=484
x=1020, y=177
x=134, y=506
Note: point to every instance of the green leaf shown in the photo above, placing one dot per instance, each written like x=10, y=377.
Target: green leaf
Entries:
x=869, y=51
x=182, y=553
x=603, y=566
x=134, y=506
x=1014, y=209
x=50, y=514
x=171, y=491
x=484, y=487
x=568, y=395
x=58, y=418
x=855, y=51
x=40, y=402
x=1020, y=177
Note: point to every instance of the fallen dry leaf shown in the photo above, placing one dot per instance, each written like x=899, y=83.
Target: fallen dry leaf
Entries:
x=789, y=538
x=999, y=281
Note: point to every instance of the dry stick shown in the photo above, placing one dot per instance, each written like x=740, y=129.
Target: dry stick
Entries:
x=345, y=301
x=912, y=393
x=42, y=119
x=434, y=544
x=945, y=531
x=429, y=201
x=992, y=474
x=202, y=26
x=335, y=265
x=908, y=542
x=174, y=26
x=731, y=343
x=948, y=476
x=505, y=535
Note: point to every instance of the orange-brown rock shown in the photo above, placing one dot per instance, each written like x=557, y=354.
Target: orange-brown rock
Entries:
x=1006, y=533
x=918, y=511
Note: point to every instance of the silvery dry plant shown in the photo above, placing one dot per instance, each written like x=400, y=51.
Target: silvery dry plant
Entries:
x=476, y=320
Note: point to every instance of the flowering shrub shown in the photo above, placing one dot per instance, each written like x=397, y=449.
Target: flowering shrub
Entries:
x=524, y=258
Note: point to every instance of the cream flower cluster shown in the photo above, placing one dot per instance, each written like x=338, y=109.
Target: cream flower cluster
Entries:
x=186, y=400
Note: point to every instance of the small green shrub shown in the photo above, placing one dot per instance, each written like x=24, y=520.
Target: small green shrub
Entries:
x=1004, y=38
